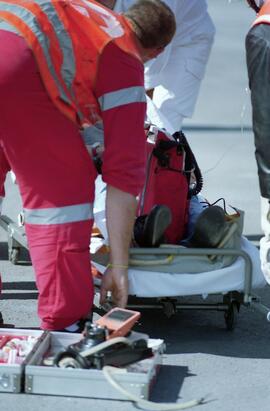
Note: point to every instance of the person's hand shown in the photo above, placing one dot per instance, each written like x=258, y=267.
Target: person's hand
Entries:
x=115, y=280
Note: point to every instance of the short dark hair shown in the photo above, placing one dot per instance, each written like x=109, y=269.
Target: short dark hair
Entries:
x=153, y=22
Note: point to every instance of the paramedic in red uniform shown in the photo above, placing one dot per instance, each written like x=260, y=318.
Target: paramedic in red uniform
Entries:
x=70, y=70
x=258, y=65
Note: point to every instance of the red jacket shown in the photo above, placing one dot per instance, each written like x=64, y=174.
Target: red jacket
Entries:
x=67, y=38
x=96, y=80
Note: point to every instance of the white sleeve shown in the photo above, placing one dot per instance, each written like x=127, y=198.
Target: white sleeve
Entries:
x=194, y=26
x=177, y=73
x=156, y=117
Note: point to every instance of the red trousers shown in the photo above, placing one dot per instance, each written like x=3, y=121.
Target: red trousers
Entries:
x=56, y=180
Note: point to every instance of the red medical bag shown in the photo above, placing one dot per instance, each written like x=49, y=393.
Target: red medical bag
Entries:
x=166, y=182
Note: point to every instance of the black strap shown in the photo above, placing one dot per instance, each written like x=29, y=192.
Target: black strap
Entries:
x=191, y=163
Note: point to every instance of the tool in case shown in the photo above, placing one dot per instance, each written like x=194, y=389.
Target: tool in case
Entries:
x=137, y=378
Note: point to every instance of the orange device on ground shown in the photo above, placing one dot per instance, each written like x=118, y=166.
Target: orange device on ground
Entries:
x=118, y=321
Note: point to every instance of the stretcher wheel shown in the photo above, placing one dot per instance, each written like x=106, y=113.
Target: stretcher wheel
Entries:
x=231, y=315
x=14, y=255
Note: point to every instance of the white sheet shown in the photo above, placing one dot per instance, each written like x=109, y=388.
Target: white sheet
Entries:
x=158, y=284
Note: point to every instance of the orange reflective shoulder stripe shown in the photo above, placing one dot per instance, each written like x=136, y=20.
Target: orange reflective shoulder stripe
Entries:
x=55, y=51
x=87, y=46
x=30, y=38
x=35, y=9
x=89, y=35
x=67, y=39
x=47, y=28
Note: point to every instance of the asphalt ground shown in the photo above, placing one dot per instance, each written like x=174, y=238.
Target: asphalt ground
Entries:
x=202, y=357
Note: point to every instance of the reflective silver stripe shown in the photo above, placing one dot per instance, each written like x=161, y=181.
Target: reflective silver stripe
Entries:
x=121, y=97
x=68, y=66
x=31, y=21
x=93, y=134
x=4, y=25
x=59, y=215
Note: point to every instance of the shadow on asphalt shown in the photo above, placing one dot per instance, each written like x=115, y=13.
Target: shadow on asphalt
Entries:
x=22, y=285
x=10, y=288
x=19, y=296
x=169, y=382
x=3, y=251
x=205, y=332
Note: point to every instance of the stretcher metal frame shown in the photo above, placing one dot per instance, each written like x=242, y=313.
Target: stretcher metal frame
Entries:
x=231, y=301
x=16, y=239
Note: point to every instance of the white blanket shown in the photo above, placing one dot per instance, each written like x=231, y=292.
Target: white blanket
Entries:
x=158, y=284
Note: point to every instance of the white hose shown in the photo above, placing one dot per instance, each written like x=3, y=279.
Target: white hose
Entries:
x=109, y=371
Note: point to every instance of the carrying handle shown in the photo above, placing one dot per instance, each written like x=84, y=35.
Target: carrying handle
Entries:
x=228, y=216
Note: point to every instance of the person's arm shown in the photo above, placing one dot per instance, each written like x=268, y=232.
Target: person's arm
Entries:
x=120, y=214
x=123, y=105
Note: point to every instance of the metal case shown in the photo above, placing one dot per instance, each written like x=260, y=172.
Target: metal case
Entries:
x=89, y=383
x=12, y=375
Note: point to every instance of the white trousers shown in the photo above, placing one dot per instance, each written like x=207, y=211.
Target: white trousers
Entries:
x=265, y=241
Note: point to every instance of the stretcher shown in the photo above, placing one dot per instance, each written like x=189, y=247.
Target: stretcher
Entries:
x=162, y=288
x=16, y=238
x=167, y=290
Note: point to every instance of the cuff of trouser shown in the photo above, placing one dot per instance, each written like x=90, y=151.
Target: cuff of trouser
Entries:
x=265, y=258
x=265, y=217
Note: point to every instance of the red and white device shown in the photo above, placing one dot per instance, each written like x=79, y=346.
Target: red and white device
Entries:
x=118, y=321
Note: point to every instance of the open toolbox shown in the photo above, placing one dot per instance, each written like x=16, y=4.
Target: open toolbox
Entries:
x=16, y=348
x=30, y=375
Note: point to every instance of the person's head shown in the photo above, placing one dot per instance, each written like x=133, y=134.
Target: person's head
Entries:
x=154, y=25
x=255, y=4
